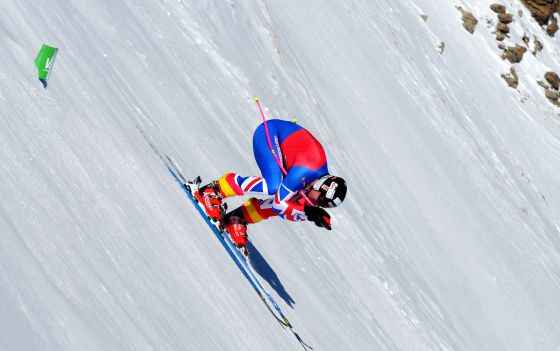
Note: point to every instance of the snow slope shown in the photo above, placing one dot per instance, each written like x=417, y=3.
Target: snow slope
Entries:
x=449, y=237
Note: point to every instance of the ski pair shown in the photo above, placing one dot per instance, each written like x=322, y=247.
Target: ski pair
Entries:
x=241, y=261
x=239, y=255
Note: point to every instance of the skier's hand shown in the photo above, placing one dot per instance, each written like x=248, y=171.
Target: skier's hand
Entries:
x=319, y=216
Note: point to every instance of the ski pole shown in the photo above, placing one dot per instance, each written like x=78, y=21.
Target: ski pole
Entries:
x=276, y=158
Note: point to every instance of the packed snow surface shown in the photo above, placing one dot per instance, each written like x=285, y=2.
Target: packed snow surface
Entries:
x=448, y=239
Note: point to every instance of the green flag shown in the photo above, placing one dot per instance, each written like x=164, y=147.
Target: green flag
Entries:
x=44, y=62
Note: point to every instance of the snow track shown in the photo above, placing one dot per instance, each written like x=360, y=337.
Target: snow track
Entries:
x=449, y=238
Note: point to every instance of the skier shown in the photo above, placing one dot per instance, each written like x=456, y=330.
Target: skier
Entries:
x=294, y=171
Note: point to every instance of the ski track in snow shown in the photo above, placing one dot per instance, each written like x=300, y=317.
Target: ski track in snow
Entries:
x=449, y=238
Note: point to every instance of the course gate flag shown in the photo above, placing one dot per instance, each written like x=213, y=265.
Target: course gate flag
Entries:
x=44, y=62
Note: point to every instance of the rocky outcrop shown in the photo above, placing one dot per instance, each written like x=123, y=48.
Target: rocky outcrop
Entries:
x=544, y=11
x=551, y=84
x=502, y=28
x=552, y=96
x=511, y=78
x=504, y=19
x=469, y=21
x=514, y=54
x=552, y=27
x=538, y=46
x=498, y=8
x=552, y=79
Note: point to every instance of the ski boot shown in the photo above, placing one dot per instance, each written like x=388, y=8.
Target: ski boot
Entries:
x=236, y=227
x=211, y=198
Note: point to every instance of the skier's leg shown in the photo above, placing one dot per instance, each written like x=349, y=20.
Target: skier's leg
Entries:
x=270, y=171
x=253, y=210
x=233, y=184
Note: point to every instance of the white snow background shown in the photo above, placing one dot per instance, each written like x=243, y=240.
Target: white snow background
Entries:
x=448, y=239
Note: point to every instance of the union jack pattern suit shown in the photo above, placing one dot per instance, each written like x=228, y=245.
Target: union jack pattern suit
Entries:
x=304, y=160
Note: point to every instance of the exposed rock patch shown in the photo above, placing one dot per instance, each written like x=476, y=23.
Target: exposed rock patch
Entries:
x=538, y=47
x=542, y=10
x=504, y=19
x=502, y=28
x=511, y=78
x=552, y=79
x=551, y=84
x=552, y=96
x=514, y=54
x=469, y=20
x=499, y=9
x=552, y=27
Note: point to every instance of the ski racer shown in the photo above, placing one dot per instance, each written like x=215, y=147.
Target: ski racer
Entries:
x=295, y=182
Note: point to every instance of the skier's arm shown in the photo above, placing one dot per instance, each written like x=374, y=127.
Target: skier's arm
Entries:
x=285, y=208
x=286, y=203
x=300, y=211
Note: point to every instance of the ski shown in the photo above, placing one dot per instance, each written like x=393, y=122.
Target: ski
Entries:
x=240, y=257
x=240, y=260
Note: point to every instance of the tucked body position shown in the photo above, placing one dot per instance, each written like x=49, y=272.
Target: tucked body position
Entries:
x=295, y=183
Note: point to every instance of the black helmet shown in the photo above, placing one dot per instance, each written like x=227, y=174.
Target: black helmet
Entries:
x=332, y=189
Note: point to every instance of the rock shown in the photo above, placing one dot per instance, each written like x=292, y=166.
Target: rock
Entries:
x=441, y=48
x=514, y=54
x=502, y=28
x=526, y=39
x=469, y=21
x=498, y=8
x=501, y=46
x=424, y=18
x=506, y=18
x=511, y=78
x=542, y=10
x=500, y=37
x=552, y=79
x=538, y=47
x=552, y=96
x=552, y=28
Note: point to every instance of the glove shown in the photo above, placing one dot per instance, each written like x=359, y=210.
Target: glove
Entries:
x=319, y=216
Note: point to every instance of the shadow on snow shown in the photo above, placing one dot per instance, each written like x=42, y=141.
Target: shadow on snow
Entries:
x=267, y=273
